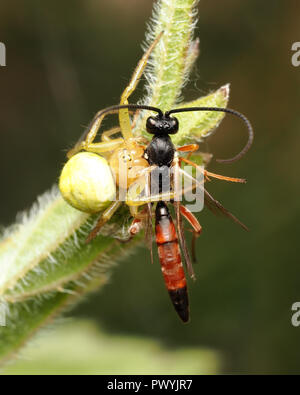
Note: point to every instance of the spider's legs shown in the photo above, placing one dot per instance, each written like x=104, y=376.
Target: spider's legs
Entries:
x=105, y=216
x=124, y=113
x=108, y=146
x=90, y=133
x=105, y=136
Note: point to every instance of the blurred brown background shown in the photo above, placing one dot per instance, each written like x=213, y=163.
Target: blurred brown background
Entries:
x=66, y=60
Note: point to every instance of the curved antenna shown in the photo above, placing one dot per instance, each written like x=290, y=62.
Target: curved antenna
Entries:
x=229, y=111
x=114, y=109
x=129, y=107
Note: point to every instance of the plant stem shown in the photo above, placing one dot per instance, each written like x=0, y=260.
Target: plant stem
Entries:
x=44, y=261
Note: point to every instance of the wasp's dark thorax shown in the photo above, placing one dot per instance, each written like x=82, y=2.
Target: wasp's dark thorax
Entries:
x=160, y=151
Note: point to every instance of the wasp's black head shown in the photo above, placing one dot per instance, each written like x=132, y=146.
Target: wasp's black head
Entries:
x=162, y=125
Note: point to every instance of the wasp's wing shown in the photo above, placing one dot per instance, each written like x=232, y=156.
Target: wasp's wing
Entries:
x=148, y=232
x=216, y=207
x=182, y=241
x=180, y=230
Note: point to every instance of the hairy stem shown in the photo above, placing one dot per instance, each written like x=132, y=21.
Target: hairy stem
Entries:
x=44, y=261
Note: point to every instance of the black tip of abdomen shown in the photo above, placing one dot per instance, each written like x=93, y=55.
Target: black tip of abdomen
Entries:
x=180, y=302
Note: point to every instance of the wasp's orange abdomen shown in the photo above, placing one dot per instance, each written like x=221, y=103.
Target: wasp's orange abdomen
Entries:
x=170, y=260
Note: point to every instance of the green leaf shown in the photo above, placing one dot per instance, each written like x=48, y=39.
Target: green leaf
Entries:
x=68, y=266
x=175, y=53
x=24, y=319
x=174, y=56
x=196, y=125
x=44, y=261
x=40, y=232
x=98, y=352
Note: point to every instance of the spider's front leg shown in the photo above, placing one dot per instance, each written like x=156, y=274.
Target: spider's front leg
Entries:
x=86, y=140
x=124, y=118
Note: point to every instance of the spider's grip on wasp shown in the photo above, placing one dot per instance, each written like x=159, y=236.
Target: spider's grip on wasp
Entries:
x=102, y=175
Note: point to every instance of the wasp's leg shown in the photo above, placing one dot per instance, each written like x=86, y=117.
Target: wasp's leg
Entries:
x=106, y=216
x=194, y=180
x=191, y=148
x=197, y=228
x=124, y=114
x=149, y=228
x=188, y=148
x=212, y=204
x=190, y=217
x=208, y=174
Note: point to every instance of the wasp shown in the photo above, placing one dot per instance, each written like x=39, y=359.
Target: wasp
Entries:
x=89, y=178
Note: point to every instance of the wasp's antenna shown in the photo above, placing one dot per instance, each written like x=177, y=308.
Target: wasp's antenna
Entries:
x=229, y=111
x=115, y=109
x=129, y=107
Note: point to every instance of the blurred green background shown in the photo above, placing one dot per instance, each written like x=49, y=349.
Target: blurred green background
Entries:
x=66, y=60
